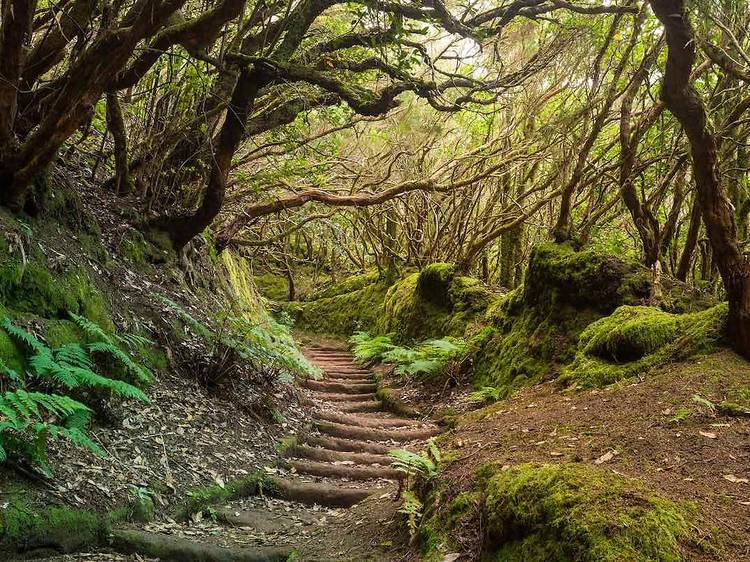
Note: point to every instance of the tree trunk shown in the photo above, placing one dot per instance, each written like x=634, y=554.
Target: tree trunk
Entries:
x=123, y=183
x=684, y=103
x=686, y=259
x=182, y=229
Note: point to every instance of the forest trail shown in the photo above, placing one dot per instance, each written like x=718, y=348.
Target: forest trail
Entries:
x=344, y=453
x=334, y=495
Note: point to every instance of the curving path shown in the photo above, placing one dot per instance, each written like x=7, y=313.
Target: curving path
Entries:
x=334, y=492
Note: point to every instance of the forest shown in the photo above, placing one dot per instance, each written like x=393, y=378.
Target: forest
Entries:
x=374, y=280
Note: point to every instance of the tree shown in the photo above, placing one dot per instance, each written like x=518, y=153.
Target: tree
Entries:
x=684, y=102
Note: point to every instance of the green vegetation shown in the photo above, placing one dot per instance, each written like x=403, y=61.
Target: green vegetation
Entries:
x=426, y=359
x=435, y=302
x=72, y=368
x=201, y=499
x=574, y=512
x=559, y=512
x=634, y=340
x=59, y=528
x=343, y=313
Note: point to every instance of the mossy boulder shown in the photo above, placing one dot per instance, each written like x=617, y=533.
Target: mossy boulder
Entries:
x=434, y=302
x=348, y=285
x=56, y=528
x=587, y=279
x=532, y=332
x=634, y=340
x=576, y=512
x=342, y=314
x=273, y=287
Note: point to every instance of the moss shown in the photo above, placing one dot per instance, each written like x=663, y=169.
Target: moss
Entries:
x=202, y=498
x=344, y=314
x=348, y=285
x=393, y=403
x=60, y=332
x=435, y=302
x=532, y=332
x=274, y=287
x=33, y=288
x=134, y=247
x=58, y=528
x=576, y=512
x=634, y=340
x=557, y=275
x=11, y=354
x=629, y=333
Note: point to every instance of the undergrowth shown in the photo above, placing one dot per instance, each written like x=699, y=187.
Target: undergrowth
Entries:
x=428, y=358
x=45, y=399
x=235, y=342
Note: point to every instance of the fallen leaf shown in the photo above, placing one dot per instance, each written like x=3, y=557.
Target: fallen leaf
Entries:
x=735, y=479
x=608, y=456
x=452, y=557
x=708, y=434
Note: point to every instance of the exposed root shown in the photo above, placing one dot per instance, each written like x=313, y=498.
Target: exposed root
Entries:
x=371, y=434
x=326, y=455
x=176, y=549
x=336, y=444
x=317, y=494
x=360, y=407
x=362, y=421
x=345, y=471
x=340, y=387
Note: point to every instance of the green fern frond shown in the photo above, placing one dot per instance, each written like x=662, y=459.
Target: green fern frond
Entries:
x=26, y=338
x=74, y=355
x=91, y=329
x=91, y=379
x=413, y=464
x=138, y=371
x=412, y=507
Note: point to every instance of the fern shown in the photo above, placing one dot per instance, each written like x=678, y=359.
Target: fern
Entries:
x=367, y=348
x=428, y=358
x=413, y=464
x=24, y=429
x=29, y=419
x=108, y=345
x=488, y=394
x=412, y=508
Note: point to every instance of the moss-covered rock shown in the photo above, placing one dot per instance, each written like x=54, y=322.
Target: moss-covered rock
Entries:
x=273, y=287
x=342, y=314
x=554, y=512
x=532, y=332
x=575, y=512
x=588, y=279
x=56, y=528
x=348, y=285
x=633, y=340
x=435, y=302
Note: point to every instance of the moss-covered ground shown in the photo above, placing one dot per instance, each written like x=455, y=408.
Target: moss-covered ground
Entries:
x=652, y=470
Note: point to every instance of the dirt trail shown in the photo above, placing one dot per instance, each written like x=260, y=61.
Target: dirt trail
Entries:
x=334, y=491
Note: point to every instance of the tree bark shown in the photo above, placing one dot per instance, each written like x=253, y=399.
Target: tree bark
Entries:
x=683, y=102
x=182, y=229
x=123, y=183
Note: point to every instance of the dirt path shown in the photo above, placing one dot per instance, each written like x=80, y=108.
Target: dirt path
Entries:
x=334, y=496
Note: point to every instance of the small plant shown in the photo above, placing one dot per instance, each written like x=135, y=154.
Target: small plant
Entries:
x=705, y=403
x=266, y=347
x=681, y=415
x=488, y=394
x=428, y=358
x=367, y=348
x=414, y=465
x=35, y=406
x=412, y=508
